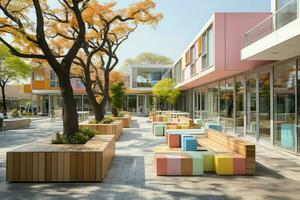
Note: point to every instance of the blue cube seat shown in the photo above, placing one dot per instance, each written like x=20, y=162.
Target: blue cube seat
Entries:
x=182, y=140
x=189, y=144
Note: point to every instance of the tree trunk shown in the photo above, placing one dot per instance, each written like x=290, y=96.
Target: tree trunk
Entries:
x=70, y=118
x=4, y=100
x=105, y=93
x=114, y=112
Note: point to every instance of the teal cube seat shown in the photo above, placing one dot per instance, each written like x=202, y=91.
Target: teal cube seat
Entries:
x=159, y=129
x=189, y=144
x=216, y=127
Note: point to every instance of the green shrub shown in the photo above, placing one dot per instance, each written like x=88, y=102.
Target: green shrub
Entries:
x=78, y=138
x=14, y=113
x=59, y=139
x=88, y=132
x=93, y=121
x=107, y=120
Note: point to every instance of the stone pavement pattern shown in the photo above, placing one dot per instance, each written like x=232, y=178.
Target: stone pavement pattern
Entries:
x=132, y=174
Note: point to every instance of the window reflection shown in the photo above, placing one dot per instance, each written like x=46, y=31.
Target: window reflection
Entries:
x=239, y=104
x=284, y=105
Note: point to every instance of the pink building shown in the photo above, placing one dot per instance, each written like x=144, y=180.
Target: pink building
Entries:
x=215, y=52
x=242, y=71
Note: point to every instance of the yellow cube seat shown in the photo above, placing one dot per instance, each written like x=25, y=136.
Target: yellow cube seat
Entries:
x=171, y=127
x=184, y=126
x=223, y=164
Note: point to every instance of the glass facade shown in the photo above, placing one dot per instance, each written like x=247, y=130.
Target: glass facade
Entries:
x=284, y=105
x=146, y=77
x=138, y=103
x=263, y=105
x=251, y=106
x=239, y=105
x=212, y=96
x=53, y=80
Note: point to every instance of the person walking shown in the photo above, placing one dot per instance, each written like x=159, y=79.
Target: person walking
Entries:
x=52, y=115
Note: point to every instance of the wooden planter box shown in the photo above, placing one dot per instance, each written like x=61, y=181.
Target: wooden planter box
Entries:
x=16, y=123
x=115, y=128
x=45, y=162
x=126, y=120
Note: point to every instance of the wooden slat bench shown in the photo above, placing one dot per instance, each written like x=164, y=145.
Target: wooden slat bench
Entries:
x=44, y=162
x=224, y=143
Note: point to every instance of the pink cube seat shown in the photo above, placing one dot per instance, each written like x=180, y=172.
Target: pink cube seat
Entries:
x=239, y=164
x=174, y=165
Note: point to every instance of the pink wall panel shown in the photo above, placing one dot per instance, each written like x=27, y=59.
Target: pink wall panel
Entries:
x=230, y=28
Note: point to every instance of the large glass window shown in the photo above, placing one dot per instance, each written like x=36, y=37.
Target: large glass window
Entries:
x=53, y=79
x=38, y=76
x=281, y=3
x=131, y=103
x=284, y=105
x=286, y=12
x=229, y=99
x=226, y=104
x=204, y=102
x=251, y=106
x=146, y=77
x=212, y=97
x=222, y=91
x=197, y=99
x=210, y=41
x=239, y=105
x=264, y=105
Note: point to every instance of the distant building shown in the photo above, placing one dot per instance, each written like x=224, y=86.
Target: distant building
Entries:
x=139, y=82
x=46, y=92
x=16, y=96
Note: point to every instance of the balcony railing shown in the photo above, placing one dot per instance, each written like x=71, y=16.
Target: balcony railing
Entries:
x=282, y=17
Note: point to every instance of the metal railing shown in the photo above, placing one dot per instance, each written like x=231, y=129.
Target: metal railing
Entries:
x=280, y=18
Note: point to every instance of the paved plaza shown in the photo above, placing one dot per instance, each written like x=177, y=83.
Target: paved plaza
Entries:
x=132, y=174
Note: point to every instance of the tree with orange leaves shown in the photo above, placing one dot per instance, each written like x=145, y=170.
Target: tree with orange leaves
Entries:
x=58, y=35
x=104, y=37
x=34, y=39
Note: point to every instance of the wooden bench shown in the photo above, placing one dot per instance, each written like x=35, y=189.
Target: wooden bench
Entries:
x=44, y=162
x=224, y=143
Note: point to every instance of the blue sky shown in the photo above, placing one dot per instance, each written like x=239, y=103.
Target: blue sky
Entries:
x=182, y=20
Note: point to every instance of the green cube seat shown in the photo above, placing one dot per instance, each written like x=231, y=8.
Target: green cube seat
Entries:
x=159, y=129
x=208, y=161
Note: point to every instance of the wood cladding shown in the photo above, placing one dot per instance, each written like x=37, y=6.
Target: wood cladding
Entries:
x=199, y=41
x=115, y=128
x=126, y=120
x=44, y=162
x=187, y=57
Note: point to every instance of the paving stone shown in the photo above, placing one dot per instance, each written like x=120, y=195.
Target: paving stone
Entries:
x=132, y=174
